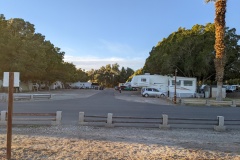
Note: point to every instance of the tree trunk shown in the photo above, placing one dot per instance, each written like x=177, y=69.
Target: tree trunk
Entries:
x=219, y=91
x=220, y=60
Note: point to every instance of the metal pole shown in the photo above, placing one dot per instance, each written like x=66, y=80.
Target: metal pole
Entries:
x=9, y=114
x=113, y=80
x=175, y=88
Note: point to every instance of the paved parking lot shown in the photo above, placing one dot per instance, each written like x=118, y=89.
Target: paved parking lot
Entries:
x=133, y=96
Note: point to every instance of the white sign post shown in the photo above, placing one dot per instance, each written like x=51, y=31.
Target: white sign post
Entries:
x=6, y=79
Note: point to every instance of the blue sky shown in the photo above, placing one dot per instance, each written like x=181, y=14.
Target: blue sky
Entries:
x=93, y=33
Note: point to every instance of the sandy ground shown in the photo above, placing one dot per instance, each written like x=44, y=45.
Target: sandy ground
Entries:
x=98, y=143
x=119, y=143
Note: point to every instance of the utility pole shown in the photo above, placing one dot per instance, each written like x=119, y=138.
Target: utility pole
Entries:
x=9, y=114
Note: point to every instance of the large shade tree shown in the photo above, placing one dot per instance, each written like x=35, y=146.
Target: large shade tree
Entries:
x=188, y=50
x=38, y=60
x=110, y=75
x=220, y=60
x=191, y=51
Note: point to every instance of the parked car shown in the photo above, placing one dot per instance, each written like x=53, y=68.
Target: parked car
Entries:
x=152, y=92
x=232, y=88
x=130, y=89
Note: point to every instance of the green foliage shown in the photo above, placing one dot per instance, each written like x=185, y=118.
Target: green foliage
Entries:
x=137, y=72
x=233, y=81
x=191, y=51
x=23, y=50
x=110, y=75
x=20, y=49
x=232, y=67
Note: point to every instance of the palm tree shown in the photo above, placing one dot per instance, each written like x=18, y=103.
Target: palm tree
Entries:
x=220, y=58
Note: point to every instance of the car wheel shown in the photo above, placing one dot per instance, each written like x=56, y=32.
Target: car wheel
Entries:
x=146, y=95
x=162, y=96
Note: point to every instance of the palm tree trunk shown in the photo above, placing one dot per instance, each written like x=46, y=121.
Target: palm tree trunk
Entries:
x=220, y=60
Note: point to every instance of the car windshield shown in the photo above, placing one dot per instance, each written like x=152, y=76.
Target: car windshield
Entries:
x=155, y=90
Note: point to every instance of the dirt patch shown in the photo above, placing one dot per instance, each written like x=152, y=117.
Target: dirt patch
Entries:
x=93, y=143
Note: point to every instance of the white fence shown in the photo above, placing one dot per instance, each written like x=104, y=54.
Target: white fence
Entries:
x=164, y=122
x=32, y=118
x=24, y=97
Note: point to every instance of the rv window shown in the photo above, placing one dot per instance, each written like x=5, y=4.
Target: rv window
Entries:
x=178, y=83
x=143, y=80
x=188, y=83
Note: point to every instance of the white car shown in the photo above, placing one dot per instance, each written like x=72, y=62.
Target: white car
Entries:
x=152, y=92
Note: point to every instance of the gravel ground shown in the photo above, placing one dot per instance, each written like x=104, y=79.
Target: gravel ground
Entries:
x=85, y=142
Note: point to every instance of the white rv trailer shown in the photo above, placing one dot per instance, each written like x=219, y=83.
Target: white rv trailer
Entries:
x=81, y=85
x=186, y=86
x=147, y=80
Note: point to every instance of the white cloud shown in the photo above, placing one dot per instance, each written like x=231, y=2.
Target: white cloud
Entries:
x=104, y=53
x=91, y=62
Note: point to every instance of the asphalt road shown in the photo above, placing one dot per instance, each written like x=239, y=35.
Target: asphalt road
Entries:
x=106, y=102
